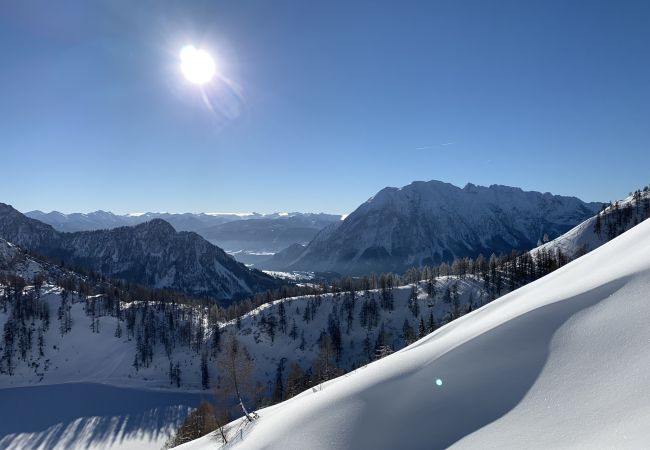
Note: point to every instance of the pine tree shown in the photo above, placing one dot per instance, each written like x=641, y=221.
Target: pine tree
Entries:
x=408, y=333
x=422, y=330
x=205, y=375
x=278, y=391
x=235, y=368
x=431, y=325
x=199, y=422
x=282, y=313
x=296, y=381
x=414, y=306
x=294, y=330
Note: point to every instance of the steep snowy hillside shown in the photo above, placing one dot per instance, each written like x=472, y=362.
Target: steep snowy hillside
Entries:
x=613, y=220
x=559, y=363
x=426, y=223
x=151, y=253
x=15, y=262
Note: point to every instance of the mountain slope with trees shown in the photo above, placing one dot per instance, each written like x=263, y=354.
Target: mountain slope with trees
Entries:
x=249, y=238
x=151, y=253
x=612, y=220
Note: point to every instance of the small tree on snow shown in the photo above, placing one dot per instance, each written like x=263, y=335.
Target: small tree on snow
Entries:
x=235, y=367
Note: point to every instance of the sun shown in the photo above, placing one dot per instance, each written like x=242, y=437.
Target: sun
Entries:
x=197, y=65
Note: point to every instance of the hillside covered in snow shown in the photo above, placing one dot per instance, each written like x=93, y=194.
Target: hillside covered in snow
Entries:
x=613, y=220
x=561, y=362
x=52, y=332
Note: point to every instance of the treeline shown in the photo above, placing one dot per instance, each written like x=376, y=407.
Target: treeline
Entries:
x=28, y=319
x=616, y=218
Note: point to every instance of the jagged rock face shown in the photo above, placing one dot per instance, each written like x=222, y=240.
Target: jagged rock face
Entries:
x=431, y=222
x=152, y=253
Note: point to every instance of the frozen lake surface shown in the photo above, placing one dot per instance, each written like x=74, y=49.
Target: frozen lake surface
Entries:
x=89, y=416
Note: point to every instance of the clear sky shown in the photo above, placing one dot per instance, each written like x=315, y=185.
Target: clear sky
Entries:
x=318, y=104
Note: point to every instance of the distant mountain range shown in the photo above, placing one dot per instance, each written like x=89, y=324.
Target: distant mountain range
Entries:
x=150, y=253
x=104, y=220
x=250, y=238
x=430, y=222
x=424, y=223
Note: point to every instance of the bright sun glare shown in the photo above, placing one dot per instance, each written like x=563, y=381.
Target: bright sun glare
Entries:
x=197, y=65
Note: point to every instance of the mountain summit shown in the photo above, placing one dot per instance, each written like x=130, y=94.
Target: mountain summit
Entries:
x=430, y=222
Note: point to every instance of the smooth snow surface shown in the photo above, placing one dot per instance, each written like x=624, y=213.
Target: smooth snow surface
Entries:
x=560, y=363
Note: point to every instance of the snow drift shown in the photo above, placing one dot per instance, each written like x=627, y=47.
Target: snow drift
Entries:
x=561, y=362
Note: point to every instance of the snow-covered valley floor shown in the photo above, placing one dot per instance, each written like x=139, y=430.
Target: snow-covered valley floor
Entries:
x=560, y=363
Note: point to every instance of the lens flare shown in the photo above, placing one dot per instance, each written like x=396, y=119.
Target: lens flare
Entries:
x=438, y=382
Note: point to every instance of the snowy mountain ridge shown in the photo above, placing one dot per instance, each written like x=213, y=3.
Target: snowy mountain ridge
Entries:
x=100, y=220
x=151, y=253
x=251, y=238
x=425, y=223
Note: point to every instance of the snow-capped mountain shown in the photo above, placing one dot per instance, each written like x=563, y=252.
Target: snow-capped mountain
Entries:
x=559, y=363
x=103, y=220
x=151, y=253
x=429, y=222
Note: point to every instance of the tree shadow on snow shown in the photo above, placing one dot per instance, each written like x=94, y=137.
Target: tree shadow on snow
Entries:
x=83, y=414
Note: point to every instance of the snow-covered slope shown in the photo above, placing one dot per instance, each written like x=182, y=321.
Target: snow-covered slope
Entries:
x=426, y=223
x=14, y=261
x=604, y=226
x=559, y=363
x=73, y=357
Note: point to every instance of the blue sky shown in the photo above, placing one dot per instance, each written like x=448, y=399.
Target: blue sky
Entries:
x=319, y=104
